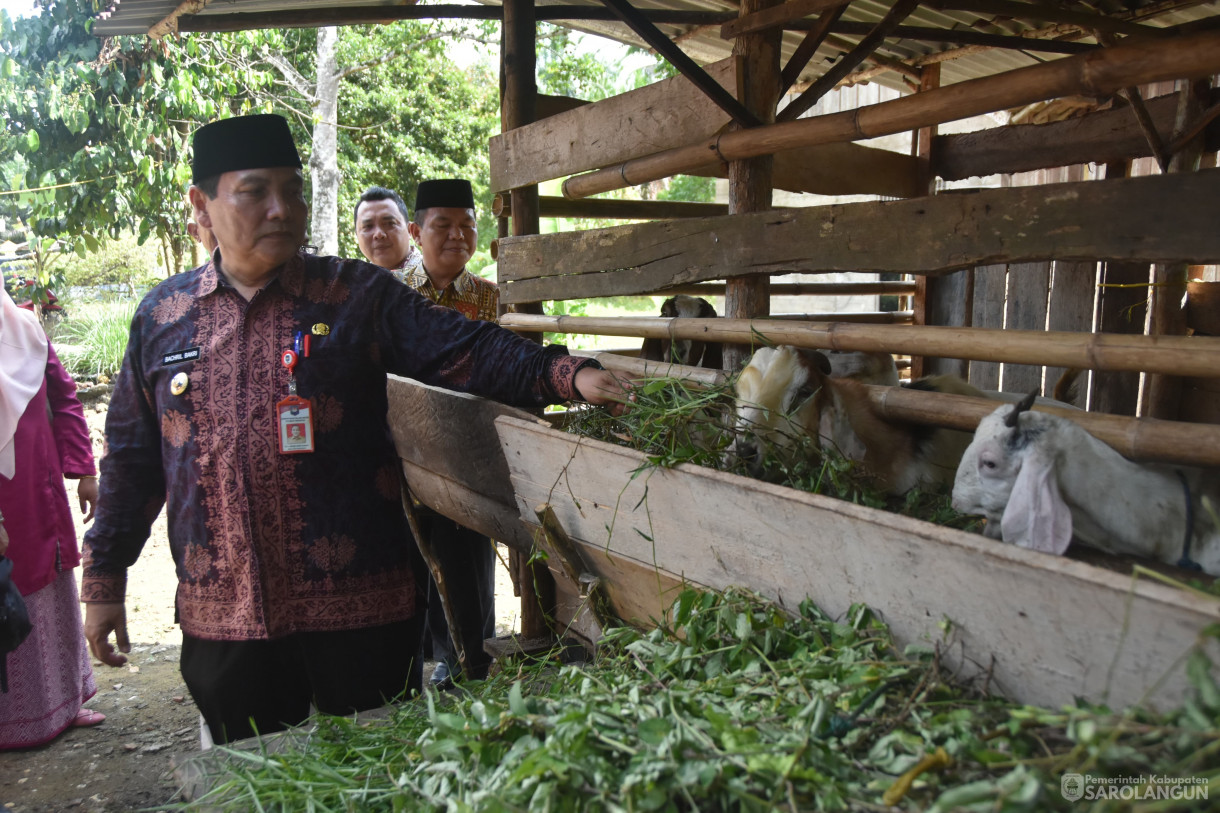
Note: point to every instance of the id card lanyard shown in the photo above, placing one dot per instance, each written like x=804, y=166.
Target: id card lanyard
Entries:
x=295, y=420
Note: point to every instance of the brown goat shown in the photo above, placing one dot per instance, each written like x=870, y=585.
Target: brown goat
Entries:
x=787, y=392
x=685, y=351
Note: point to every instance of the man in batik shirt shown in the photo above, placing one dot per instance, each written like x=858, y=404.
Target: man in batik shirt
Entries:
x=294, y=582
x=381, y=232
x=445, y=229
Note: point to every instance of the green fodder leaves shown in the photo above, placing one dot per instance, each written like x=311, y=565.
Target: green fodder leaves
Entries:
x=673, y=422
x=732, y=705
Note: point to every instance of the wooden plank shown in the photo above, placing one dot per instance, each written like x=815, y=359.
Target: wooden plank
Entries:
x=638, y=592
x=839, y=169
x=1057, y=628
x=1107, y=137
x=990, y=286
x=452, y=458
x=1073, y=300
x=1161, y=218
x=1028, y=286
x=1123, y=309
x=649, y=119
x=949, y=305
x=671, y=113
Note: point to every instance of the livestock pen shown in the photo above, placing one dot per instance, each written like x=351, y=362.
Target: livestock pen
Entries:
x=1083, y=256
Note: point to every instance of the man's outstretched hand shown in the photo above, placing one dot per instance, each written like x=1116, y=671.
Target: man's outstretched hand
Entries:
x=603, y=388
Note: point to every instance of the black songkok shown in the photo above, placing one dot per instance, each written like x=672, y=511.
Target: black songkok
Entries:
x=453, y=193
x=243, y=142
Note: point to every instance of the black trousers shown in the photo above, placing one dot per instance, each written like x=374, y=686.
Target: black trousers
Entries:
x=248, y=687
x=468, y=561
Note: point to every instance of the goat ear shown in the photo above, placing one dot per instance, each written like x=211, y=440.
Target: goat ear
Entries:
x=816, y=359
x=1036, y=516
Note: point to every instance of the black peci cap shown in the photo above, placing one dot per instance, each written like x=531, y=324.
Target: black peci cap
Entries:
x=243, y=142
x=449, y=192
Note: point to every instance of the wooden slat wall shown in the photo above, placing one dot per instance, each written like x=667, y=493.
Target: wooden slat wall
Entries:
x=1168, y=218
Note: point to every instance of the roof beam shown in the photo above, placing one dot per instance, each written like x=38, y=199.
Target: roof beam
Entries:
x=1050, y=14
x=664, y=46
x=848, y=62
x=776, y=16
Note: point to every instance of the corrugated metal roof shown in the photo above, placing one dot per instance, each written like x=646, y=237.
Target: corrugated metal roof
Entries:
x=704, y=44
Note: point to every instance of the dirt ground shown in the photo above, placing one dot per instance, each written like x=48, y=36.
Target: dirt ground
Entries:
x=124, y=764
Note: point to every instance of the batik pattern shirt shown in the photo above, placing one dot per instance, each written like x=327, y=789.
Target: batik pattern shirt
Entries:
x=268, y=544
x=471, y=296
x=413, y=261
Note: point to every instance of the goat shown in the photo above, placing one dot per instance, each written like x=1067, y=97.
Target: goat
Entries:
x=787, y=392
x=691, y=352
x=1041, y=479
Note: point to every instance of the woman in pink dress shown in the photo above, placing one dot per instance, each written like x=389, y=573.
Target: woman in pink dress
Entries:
x=43, y=438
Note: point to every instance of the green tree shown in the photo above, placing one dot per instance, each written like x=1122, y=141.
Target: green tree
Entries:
x=412, y=114
x=97, y=135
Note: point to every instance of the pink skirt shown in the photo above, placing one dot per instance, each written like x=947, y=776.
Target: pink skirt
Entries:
x=50, y=675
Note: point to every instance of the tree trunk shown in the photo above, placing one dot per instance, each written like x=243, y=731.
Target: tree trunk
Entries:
x=324, y=159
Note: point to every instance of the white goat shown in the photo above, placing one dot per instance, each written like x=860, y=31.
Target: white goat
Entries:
x=1040, y=478
x=787, y=392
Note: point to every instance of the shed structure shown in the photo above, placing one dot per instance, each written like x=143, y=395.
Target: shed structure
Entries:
x=1083, y=255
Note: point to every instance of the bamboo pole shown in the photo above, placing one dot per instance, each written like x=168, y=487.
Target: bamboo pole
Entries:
x=898, y=287
x=549, y=206
x=859, y=318
x=1096, y=73
x=642, y=368
x=1146, y=439
x=1197, y=356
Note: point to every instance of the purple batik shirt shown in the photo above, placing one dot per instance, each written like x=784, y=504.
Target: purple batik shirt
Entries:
x=268, y=544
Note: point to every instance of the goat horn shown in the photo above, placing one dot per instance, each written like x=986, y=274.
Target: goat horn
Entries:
x=1023, y=406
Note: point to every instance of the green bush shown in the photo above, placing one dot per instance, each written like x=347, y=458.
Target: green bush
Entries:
x=119, y=269
x=92, y=340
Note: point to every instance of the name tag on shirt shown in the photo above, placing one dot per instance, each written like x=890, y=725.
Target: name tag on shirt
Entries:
x=179, y=356
x=295, y=424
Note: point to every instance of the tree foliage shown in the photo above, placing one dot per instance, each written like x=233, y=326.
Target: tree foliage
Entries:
x=98, y=130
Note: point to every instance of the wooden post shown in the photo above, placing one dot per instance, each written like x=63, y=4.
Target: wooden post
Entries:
x=750, y=179
x=1163, y=394
x=921, y=148
x=518, y=107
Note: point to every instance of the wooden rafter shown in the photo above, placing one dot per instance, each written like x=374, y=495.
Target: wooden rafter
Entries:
x=662, y=44
x=809, y=46
x=925, y=34
x=1045, y=13
x=826, y=82
x=776, y=16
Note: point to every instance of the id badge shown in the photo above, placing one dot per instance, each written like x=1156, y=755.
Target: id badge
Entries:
x=296, y=425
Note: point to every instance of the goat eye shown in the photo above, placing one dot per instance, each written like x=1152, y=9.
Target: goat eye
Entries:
x=988, y=464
